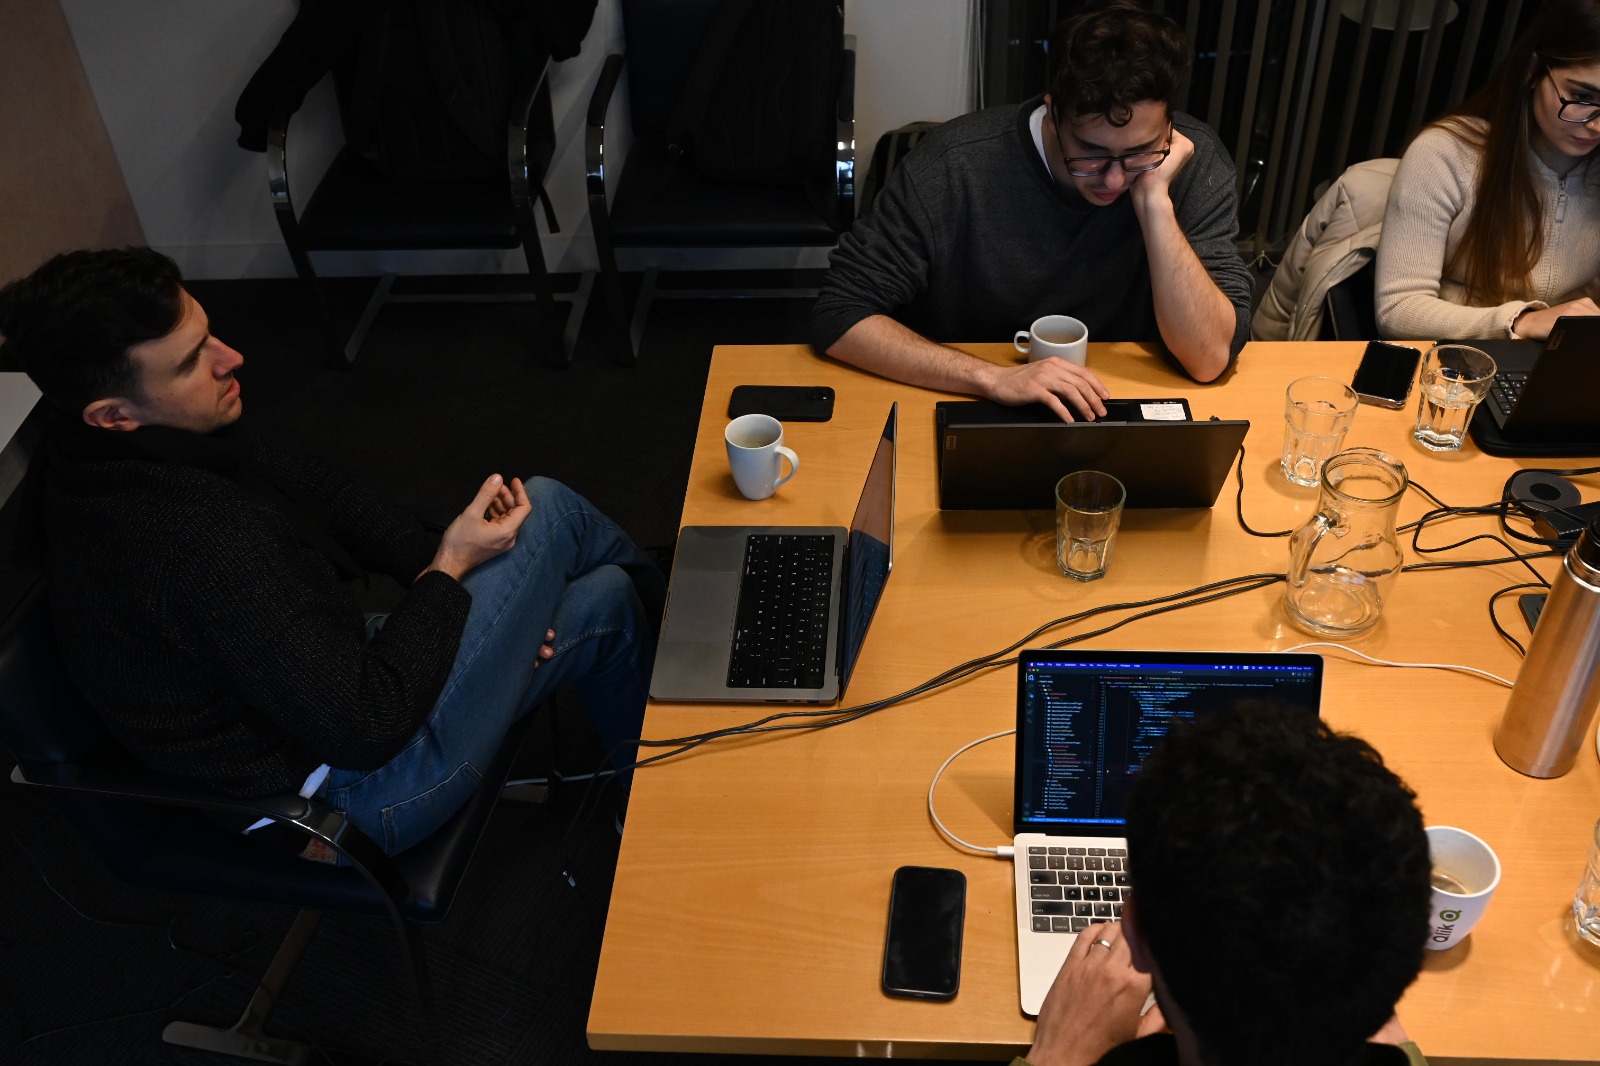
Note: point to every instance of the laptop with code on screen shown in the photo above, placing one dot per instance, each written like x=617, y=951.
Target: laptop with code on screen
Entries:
x=1086, y=722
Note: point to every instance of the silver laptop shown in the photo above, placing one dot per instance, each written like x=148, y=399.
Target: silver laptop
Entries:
x=1086, y=721
x=777, y=613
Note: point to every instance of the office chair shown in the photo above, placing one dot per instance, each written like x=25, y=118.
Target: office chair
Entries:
x=670, y=210
x=153, y=831
x=1350, y=307
x=353, y=207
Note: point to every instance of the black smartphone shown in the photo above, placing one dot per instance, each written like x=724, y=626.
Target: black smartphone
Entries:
x=1385, y=375
x=786, y=403
x=922, y=953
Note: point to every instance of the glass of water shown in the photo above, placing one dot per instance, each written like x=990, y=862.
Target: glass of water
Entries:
x=1317, y=412
x=1586, y=904
x=1088, y=512
x=1454, y=378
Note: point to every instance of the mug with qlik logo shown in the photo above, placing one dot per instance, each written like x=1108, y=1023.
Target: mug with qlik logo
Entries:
x=1465, y=874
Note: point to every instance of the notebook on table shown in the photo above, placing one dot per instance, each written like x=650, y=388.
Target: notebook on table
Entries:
x=777, y=613
x=1546, y=398
x=1086, y=721
x=992, y=456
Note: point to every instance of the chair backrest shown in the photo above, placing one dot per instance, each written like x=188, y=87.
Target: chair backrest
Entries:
x=48, y=726
x=1350, y=308
x=43, y=719
x=750, y=87
x=662, y=39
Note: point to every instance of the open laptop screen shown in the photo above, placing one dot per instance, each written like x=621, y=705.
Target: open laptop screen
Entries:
x=1086, y=721
x=870, y=553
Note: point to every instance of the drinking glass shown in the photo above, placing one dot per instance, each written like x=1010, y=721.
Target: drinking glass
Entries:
x=1586, y=904
x=1454, y=379
x=1088, y=512
x=1317, y=413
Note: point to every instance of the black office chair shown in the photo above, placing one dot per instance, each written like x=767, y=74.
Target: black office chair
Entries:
x=354, y=207
x=153, y=831
x=669, y=211
x=1349, y=309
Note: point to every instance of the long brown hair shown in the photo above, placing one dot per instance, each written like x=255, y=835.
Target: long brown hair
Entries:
x=1500, y=246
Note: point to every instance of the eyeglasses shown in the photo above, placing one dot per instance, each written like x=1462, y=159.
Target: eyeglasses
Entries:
x=1089, y=166
x=1577, y=112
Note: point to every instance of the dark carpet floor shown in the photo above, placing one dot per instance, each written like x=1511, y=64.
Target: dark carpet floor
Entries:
x=91, y=970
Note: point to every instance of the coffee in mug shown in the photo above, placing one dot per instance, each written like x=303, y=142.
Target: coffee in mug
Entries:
x=755, y=451
x=1055, y=337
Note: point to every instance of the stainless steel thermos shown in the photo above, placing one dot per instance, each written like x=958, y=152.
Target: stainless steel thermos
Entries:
x=1547, y=718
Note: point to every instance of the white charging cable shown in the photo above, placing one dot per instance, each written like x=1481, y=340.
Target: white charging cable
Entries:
x=1004, y=851
x=1496, y=678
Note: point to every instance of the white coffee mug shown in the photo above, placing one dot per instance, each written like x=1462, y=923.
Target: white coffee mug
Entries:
x=755, y=445
x=1055, y=337
x=1465, y=874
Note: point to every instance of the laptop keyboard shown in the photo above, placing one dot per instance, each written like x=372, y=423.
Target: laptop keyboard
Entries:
x=780, y=633
x=1073, y=888
x=1506, y=389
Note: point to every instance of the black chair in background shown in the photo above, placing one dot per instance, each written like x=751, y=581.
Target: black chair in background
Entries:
x=456, y=190
x=152, y=831
x=1349, y=309
x=737, y=60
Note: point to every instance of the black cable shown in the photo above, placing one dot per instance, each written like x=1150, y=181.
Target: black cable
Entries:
x=1495, y=621
x=1238, y=502
x=185, y=994
x=839, y=716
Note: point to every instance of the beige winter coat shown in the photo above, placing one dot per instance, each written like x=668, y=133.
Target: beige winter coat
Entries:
x=1338, y=238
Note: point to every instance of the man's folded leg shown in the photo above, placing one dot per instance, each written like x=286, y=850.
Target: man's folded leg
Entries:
x=571, y=570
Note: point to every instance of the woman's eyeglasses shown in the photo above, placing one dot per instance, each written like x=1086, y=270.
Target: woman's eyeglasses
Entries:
x=1577, y=112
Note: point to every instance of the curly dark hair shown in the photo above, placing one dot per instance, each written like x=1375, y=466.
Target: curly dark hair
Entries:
x=70, y=323
x=1110, y=57
x=1280, y=872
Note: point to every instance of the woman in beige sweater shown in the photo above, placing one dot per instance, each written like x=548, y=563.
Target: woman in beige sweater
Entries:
x=1493, y=223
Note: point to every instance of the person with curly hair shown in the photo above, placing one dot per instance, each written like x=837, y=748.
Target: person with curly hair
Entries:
x=1278, y=907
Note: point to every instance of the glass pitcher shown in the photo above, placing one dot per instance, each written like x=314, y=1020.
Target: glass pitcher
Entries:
x=1343, y=562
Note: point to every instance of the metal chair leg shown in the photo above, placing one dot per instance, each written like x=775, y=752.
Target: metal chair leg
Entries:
x=246, y=1038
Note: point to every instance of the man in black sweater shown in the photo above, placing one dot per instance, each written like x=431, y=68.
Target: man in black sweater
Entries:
x=1096, y=200
x=207, y=587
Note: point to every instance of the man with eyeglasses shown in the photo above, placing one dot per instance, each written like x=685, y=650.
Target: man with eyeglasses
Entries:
x=1096, y=200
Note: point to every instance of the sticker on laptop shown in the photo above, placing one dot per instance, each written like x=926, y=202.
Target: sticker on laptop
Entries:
x=1162, y=412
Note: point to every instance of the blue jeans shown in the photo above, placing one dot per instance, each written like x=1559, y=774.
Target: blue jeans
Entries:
x=571, y=570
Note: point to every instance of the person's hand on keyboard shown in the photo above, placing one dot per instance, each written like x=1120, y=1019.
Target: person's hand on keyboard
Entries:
x=1049, y=381
x=1536, y=324
x=1095, y=1003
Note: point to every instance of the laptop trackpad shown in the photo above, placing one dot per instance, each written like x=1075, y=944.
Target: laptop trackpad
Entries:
x=702, y=607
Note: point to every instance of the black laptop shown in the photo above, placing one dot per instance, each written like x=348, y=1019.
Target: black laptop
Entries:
x=1544, y=399
x=1009, y=458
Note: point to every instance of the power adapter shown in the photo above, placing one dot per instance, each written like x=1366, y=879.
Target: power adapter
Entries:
x=1566, y=523
x=1552, y=502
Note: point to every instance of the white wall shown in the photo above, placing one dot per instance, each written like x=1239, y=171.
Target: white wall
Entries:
x=166, y=74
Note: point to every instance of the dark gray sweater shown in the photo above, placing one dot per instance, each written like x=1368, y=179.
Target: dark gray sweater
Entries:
x=220, y=648
x=972, y=239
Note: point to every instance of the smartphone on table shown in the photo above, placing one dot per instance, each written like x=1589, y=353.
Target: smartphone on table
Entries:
x=922, y=952
x=1385, y=375
x=786, y=403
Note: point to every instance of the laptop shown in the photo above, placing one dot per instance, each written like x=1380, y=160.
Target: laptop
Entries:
x=996, y=457
x=1086, y=721
x=1544, y=399
x=777, y=613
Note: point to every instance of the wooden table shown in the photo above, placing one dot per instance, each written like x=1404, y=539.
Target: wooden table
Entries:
x=751, y=892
